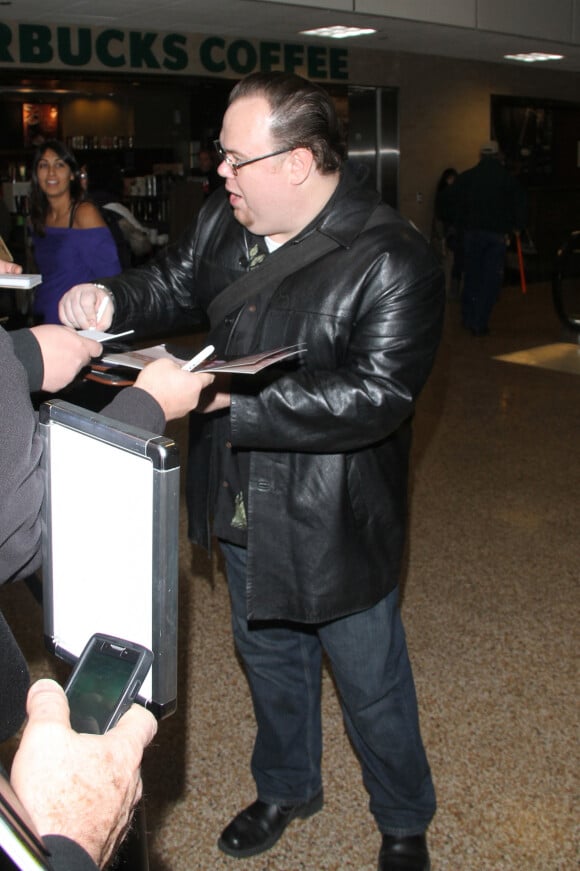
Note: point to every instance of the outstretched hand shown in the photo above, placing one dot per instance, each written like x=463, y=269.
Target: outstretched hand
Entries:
x=64, y=354
x=176, y=390
x=79, y=306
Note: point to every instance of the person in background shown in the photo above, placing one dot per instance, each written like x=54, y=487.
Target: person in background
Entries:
x=446, y=236
x=487, y=204
x=70, y=237
x=206, y=169
x=102, y=183
x=79, y=790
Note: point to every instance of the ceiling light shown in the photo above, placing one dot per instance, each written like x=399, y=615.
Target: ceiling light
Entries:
x=338, y=32
x=532, y=57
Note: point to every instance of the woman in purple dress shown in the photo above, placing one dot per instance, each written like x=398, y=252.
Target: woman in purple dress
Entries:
x=72, y=243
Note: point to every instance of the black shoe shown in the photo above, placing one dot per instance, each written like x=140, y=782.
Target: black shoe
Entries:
x=258, y=827
x=404, y=854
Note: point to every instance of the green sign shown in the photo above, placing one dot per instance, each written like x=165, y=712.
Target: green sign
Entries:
x=78, y=48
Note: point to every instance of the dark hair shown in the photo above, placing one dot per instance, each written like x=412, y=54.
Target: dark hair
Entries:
x=448, y=173
x=38, y=199
x=302, y=115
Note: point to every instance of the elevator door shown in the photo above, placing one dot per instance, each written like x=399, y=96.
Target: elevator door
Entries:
x=373, y=137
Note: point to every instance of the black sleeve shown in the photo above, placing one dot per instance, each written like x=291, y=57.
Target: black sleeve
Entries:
x=22, y=482
x=14, y=683
x=27, y=349
x=67, y=855
x=137, y=407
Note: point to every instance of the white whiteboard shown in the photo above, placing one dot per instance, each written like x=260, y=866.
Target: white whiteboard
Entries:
x=110, y=540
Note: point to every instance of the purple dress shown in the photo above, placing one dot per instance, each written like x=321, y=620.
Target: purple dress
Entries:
x=66, y=256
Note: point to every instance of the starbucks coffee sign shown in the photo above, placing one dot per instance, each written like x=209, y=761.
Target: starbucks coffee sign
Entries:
x=34, y=46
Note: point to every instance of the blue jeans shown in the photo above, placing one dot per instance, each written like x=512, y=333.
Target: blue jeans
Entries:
x=370, y=664
x=484, y=255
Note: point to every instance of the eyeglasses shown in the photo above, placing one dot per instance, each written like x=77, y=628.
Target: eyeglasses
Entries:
x=235, y=165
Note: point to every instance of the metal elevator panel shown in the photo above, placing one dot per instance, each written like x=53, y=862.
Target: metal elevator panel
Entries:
x=373, y=137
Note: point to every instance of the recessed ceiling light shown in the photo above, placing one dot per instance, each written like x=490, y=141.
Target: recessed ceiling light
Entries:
x=338, y=31
x=533, y=57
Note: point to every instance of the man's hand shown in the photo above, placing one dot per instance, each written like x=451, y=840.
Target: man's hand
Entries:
x=80, y=305
x=218, y=397
x=176, y=390
x=8, y=268
x=84, y=787
x=64, y=354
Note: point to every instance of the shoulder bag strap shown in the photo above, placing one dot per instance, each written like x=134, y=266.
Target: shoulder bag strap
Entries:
x=276, y=267
x=268, y=276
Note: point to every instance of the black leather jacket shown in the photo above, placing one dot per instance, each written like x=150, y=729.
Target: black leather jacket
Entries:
x=329, y=442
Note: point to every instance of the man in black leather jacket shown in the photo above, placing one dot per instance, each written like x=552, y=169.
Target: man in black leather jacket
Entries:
x=303, y=472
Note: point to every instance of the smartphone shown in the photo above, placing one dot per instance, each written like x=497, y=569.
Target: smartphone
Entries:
x=105, y=681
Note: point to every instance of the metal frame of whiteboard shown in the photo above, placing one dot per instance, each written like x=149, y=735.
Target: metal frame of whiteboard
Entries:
x=110, y=540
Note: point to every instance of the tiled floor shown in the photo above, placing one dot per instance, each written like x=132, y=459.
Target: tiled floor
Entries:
x=491, y=610
x=561, y=357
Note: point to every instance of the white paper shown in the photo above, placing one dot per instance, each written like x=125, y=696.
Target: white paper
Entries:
x=100, y=336
x=23, y=281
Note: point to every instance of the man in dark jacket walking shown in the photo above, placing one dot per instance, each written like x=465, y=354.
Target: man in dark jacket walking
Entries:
x=303, y=473
x=488, y=203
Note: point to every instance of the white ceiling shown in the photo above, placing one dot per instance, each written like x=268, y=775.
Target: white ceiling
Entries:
x=487, y=32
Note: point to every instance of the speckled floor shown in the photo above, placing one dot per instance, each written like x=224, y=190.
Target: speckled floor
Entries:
x=491, y=609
